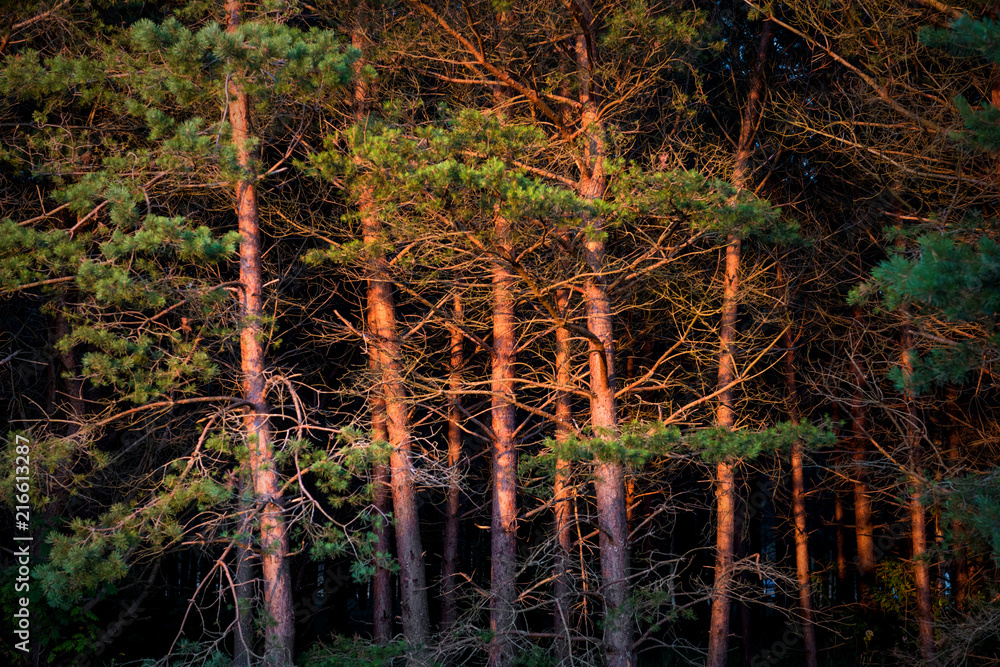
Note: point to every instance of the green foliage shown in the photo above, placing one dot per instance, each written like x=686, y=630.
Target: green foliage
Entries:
x=968, y=36
x=956, y=280
x=703, y=204
x=975, y=502
x=720, y=444
x=353, y=652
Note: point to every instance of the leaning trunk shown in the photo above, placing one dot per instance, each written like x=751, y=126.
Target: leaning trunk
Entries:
x=279, y=633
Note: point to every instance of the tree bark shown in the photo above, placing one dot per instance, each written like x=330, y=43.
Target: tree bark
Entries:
x=918, y=514
x=503, y=580
x=280, y=629
x=449, y=583
x=562, y=490
x=725, y=491
x=243, y=642
x=609, y=476
x=799, y=506
x=863, y=530
x=386, y=351
x=409, y=550
x=382, y=580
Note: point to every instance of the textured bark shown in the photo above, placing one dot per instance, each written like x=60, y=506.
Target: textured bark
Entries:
x=562, y=490
x=382, y=581
x=409, y=550
x=609, y=477
x=243, y=641
x=387, y=353
x=918, y=515
x=725, y=491
x=799, y=509
x=279, y=634
x=503, y=582
x=863, y=529
x=449, y=583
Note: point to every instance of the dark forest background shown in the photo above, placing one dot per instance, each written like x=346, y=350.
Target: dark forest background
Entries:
x=479, y=332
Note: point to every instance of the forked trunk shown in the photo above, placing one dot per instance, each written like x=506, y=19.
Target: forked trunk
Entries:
x=409, y=550
x=279, y=633
x=503, y=579
x=386, y=351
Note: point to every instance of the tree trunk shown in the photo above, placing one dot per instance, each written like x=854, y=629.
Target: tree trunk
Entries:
x=562, y=490
x=799, y=506
x=449, y=583
x=409, y=550
x=841, y=553
x=382, y=580
x=609, y=476
x=725, y=491
x=503, y=580
x=918, y=515
x=387, y=352
x=960, y=549
x=863, y=529
x=280, y=629
x=243, y=642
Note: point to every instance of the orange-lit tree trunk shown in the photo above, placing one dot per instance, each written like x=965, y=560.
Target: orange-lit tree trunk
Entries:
x=799, y=505
x=279, y=632
x=918, y=514
x=725, y=489
x=503, y=579
x=377, y=314
x=863, y=530
x=382, y=580
x=562, y=490
x=609, y=476
x=409, y=551
x=449, y=584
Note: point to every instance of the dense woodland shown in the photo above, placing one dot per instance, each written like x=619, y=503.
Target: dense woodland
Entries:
x=490, y=332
